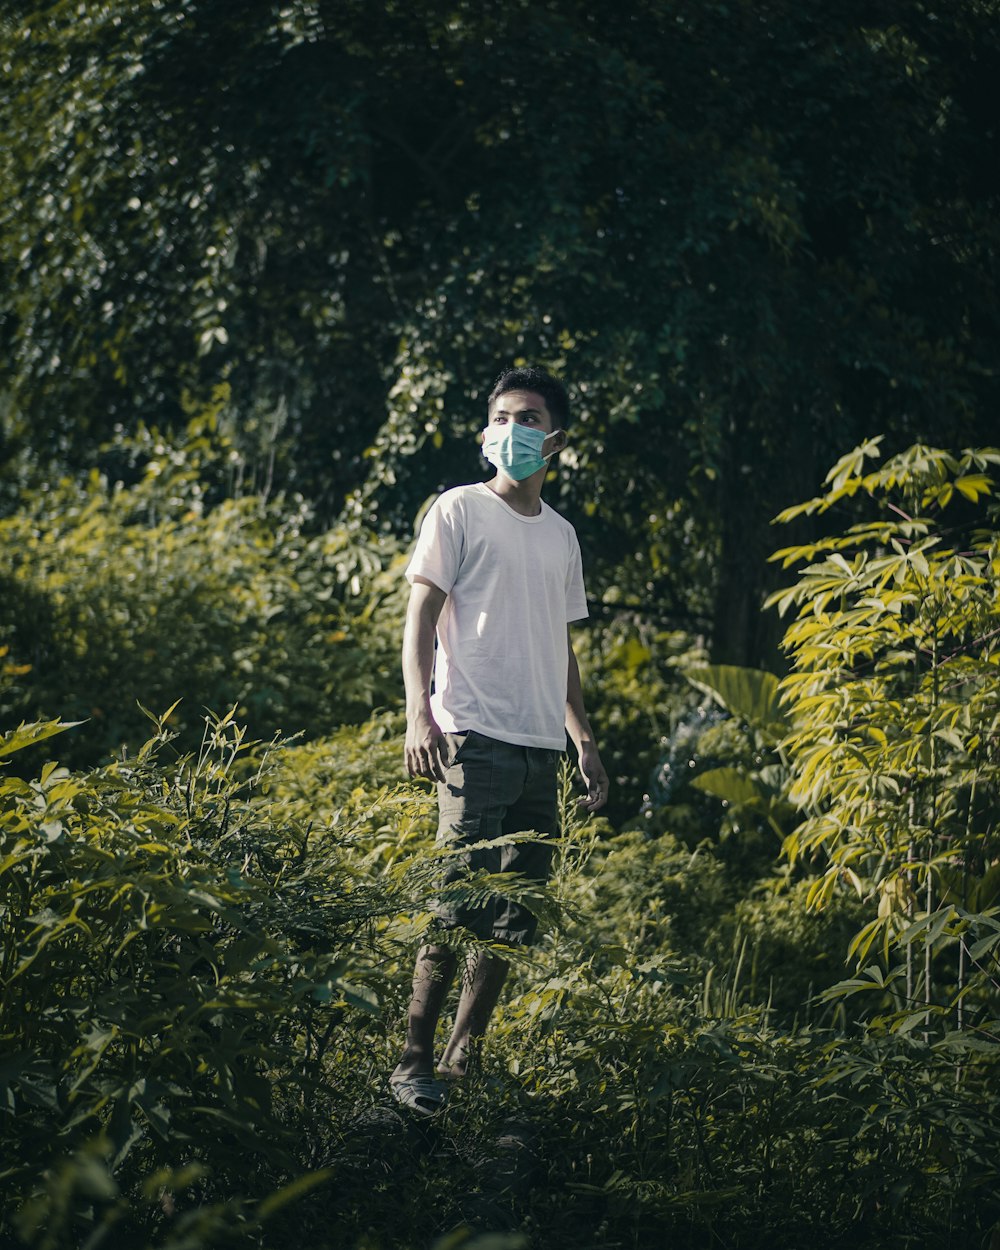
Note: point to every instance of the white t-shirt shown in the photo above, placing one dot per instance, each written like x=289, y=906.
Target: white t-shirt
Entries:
x=513, y=584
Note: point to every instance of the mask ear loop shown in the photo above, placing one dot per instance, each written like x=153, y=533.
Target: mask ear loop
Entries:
x=558, y=449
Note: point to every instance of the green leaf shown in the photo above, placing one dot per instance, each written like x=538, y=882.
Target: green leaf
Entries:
x=852, y=463
x=29, y=735
x=359, y=996
x=289, y=1193
x=972, y=485
x=731, y=785
x=748, y=693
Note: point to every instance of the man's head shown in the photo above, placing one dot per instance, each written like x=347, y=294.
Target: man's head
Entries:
x=538, y=382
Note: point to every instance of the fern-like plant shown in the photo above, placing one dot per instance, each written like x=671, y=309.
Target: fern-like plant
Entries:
x=894, y=700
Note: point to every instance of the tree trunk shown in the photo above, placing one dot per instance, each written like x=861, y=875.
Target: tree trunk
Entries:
x=742, y=632
x=760, y=475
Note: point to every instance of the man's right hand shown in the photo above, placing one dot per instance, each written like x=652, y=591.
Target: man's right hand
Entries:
x=425, y=743
x=425, y=748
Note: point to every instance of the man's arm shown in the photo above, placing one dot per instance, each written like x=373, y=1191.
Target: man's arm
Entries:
x=424, y=740
x=578, y=726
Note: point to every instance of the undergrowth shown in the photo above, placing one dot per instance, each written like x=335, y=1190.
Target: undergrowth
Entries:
x=206, y=964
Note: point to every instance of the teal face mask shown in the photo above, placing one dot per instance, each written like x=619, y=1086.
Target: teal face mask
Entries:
x=515, y=449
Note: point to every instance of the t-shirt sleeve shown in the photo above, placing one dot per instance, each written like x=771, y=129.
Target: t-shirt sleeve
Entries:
x=576, y=594
x=437, y=554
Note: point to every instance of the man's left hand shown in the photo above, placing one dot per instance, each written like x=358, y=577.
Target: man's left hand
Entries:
x=594, y=778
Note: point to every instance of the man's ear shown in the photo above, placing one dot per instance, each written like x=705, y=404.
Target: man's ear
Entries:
x=555, y=441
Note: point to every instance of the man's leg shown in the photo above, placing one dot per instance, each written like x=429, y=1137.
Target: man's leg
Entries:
x=432, y=977
x=485, y=780
x=532, y=805
x=482, y=779
x=435, y=966
x=480, y=993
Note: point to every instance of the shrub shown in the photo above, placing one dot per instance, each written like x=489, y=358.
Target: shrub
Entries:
x=635, y=695
x=180, y=963
x=111, y=593
x=207, y=958
x=895, y=739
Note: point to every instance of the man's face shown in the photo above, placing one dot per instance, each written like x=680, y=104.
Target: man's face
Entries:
x=527, y=408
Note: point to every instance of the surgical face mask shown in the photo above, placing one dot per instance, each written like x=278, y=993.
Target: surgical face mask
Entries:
x=515, y=449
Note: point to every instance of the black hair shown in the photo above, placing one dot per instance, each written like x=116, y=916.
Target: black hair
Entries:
x=531, y=379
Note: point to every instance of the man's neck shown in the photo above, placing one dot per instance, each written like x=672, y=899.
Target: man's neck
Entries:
x=524, y=497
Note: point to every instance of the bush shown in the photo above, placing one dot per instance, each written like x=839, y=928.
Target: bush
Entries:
x=635, y=695
x=181, y=961
x=787, y=952
x=109, y=594
x=896, y=727
x=207, y=959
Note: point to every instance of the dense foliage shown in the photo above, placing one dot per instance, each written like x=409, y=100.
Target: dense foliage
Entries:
x=258, y=266
x=116, y=597
x=895, y=741
x=748, y=234
x=207, y=953
x=206, y=960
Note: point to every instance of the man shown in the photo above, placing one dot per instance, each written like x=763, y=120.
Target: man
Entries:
x=496, y=577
